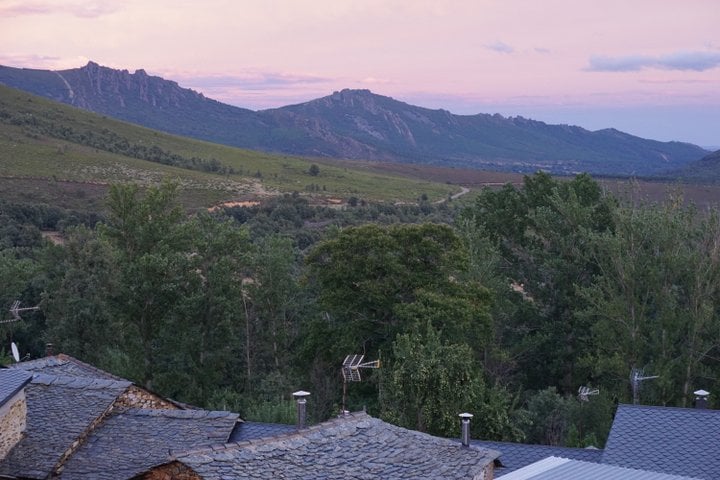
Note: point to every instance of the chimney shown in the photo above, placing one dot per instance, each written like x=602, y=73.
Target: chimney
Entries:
x=701, y=399
x=300, y=397
x=465, y=425
x=49, y=349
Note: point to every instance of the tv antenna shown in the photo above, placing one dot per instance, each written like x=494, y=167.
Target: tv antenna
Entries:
x=637, y=376
x=351, y=372
x=15, y=352
x=584, y=392
x=15, y=312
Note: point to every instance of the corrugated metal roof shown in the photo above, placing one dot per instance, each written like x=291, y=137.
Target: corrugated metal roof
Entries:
x=554, y=468
x=514, y=456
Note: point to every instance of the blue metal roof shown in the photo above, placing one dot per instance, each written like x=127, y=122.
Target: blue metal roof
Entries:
x=518, y=455
x=555, y=468
x=682, y=441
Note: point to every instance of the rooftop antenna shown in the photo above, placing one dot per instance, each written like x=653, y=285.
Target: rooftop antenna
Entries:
x=636, y=376
x=15, y=312
x=15, y=352
x=351, y=372
x=584, y=392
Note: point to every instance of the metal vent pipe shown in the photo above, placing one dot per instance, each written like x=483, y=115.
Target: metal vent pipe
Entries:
x=300, y=396
x=465, y=426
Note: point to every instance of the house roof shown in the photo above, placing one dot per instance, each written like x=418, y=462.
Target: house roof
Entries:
x=59, y=411
x=64, y=365
x=682, y=441
x=556, y=468
x=132, y=441
x=245, y=431
x=355, y=446
x=11, y=382
x=514, y=456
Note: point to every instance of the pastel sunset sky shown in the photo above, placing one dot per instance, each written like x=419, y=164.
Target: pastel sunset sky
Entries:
x=647, y=67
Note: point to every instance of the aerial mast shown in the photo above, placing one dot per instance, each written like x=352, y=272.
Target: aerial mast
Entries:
x=351, y=373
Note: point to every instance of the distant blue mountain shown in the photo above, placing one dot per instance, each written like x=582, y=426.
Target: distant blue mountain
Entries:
x=357, y=124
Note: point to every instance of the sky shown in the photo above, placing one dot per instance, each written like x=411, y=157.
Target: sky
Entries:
x=647, y=67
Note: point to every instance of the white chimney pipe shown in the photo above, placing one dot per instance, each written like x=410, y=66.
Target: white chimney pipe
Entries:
x=701, y=398
x=465, y=424
x=300, y=396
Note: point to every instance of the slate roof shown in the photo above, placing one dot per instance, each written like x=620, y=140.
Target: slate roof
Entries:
x=59, y=411
x=682, y=441
x=132, y=441
x=245, y=431
x=518, y=455
x=353, y=447
x=11, y=382
x=555, y=468
x=64, y=365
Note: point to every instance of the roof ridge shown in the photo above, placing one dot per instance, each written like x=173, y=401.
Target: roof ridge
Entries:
x=78, y=382
x=51, y=361
x=536, y=445
x=71, y=359
x=189, y=414
x=345, y=419
x=674, y=409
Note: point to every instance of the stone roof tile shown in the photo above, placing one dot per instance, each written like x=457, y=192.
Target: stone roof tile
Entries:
x=11, y=382
x=254, y=430
x=64, y=365
x=681, y=441
x=356, y=446
x=59, y=411
x=132, y=441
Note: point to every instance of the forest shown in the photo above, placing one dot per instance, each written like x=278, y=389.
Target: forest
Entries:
x=502, y=308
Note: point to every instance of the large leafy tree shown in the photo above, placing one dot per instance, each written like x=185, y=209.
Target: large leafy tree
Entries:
x=77, y=304
x=203, y=351
x=364, y=273
x=654, y=300
x=375, y=283
x=540, y=232
x=151, y=243
x=429, y=381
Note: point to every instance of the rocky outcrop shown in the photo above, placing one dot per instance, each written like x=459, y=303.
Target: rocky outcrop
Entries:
x=104, y=89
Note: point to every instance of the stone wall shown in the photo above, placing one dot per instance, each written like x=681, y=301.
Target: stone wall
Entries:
x=170, y=471
x=489, y=472
x=13, y=418
x=135, y=397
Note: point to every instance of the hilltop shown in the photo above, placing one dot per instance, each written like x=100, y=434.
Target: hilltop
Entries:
x=359, y=125
x=50, y=152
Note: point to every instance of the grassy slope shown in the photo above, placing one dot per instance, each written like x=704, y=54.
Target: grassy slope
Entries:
x=24, y=154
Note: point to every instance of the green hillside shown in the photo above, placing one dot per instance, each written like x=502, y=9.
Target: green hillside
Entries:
x=50, y=152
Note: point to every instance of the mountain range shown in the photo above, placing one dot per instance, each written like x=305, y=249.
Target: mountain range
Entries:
x=358, y=124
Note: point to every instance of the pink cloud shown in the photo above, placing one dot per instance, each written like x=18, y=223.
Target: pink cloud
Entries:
x=697, y=61
x=82, y=9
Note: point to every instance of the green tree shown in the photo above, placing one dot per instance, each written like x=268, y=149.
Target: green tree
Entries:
x=540, y=232
x=429, y=382
x=17, y=275
x=204, y=347
x=363, y=273
x=150, y=240
x=652, y=303
x=277, y=302
x=80, y=322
